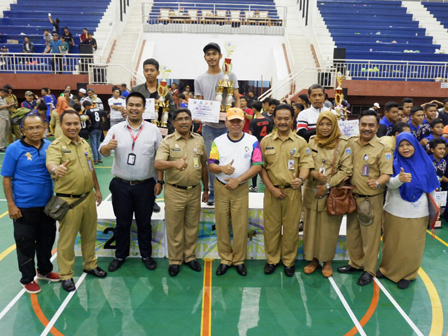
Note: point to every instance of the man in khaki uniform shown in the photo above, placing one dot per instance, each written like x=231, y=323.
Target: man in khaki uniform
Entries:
x=69, y=160
x=287, y=163
x=184, y=158
x=372, y=167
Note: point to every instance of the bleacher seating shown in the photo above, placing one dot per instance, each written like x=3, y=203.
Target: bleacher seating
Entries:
x=439, y=10
x=203, y=6
x=378, y=30
x=30, y=17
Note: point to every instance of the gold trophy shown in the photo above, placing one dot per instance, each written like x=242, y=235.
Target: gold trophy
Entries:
x=162, y=102
x=341, y=111
x=226, y=84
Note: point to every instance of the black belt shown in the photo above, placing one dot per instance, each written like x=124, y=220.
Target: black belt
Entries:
x=71, y=196
x=283, y=187
x=359, y=195
x=217, y=179
x=182, y=187
x=133, y=182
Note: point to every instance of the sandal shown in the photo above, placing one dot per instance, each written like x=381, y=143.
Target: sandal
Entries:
x=311, y=267
x=327, y=269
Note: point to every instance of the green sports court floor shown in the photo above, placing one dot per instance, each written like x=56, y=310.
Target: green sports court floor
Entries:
x=135, y=301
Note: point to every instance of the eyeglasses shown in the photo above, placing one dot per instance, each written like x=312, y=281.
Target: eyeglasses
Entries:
x=32, y=129
x=183, y=119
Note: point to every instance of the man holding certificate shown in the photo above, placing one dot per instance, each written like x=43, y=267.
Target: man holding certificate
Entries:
x=208, y=87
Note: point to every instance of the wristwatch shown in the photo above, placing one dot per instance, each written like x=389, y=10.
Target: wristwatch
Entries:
x=52, y=170
x=378, y=186
x=161, y=182
x=303, y=180
x=327, y=185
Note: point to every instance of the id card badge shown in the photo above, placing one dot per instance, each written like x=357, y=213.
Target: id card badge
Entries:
x=196, y=162
x=365, y=170
x=131, y=159
x=291, y=165
x=90, y=164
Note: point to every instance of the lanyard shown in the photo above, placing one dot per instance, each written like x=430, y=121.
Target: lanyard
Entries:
x=134, y=139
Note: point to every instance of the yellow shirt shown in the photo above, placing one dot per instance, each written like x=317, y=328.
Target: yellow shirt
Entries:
x=374, y=155
x=282, y=158
x=173, y=148
x=79, y=177
x=390, y=141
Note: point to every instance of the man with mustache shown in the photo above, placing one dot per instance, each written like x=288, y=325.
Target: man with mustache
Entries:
x=372, y=167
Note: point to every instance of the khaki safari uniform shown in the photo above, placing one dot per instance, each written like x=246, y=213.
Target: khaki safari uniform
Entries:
x=82, y=218
x=321, y=230
x=182, y=194
x=363, y=242
x=389, y=141
x=281, y=159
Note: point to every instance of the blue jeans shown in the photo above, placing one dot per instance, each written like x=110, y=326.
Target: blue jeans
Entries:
x=95, y=137
x=209, y=134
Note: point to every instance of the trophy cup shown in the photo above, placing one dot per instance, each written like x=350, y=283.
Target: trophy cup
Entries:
x=225, y=84
x=163, y=103
x=341, y=111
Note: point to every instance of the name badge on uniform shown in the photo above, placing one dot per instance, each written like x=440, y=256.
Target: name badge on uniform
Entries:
x=90, y=164
x=365, y=167
x=291, y=165
x=196, y=162
x=322, y=169
x=131, y=159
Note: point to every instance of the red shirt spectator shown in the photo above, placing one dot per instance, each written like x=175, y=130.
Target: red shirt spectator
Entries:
x=248, y=113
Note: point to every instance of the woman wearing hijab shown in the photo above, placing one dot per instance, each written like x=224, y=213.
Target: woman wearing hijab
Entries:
x=406, y=211
x=55, y=125
x=321, y=230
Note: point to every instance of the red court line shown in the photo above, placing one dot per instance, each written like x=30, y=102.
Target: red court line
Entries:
x=206, y=323
x=369, y=313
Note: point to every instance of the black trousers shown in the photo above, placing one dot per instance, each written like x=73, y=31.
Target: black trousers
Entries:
x=127, y=200
x=34, y=234
x=56, y=59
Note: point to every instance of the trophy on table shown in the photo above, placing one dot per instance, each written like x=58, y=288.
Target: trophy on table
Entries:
x=225, y=84
x=163, y=103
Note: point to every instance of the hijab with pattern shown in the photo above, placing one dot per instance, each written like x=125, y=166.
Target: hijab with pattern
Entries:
x=328, y=142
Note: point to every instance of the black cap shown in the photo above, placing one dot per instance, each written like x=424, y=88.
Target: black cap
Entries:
x=212, y=45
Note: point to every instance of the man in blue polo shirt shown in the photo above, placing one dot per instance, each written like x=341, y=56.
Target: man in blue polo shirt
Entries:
x=389, y=119
x=28, y=187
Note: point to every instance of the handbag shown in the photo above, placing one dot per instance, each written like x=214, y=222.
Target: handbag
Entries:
x=340, y=200
x=57, y=208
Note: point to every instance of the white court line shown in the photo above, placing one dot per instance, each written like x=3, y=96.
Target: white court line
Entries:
x=63, y=305
x=397, y=306
x=18, y=296
x=108, y=198
x=347, y=308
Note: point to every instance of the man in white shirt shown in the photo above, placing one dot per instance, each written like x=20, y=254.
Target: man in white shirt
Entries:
x=117, y=107
x=133, y=187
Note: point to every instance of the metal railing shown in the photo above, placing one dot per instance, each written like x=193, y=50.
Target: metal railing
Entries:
x=42, y=63
x=222, y=18
x=113, y=74
x=394, y=70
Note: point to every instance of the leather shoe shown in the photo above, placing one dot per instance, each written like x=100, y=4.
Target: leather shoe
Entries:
x=348, y=269
x=241, y=269
x=289, y=271
x=115, y=264
x=365, y=279
x=150, y=263
x=68, y=285
x=379, y=275
x=194, y=265
x=156, y=208
x=222, y=269
x=173, y=270
x=97, y=272
x=269, y=268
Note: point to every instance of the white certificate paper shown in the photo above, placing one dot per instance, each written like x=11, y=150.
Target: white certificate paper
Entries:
x=149, y=112
x=349, y=127
x=205, y=110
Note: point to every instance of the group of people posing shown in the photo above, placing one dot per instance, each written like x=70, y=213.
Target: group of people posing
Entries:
x=297, y=174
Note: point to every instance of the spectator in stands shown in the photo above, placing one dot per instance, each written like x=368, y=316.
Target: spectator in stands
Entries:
x=407, y=104
x=250, y=98
x=117, y=107
x=84, y=35
x=90, y=40
x=375, y=108
x=55, y=24
x=94, y=99
x=248, y=113
x=30, y=101
x=260, y=126
x=389, y=119
x=47, y=37
x=4, y=118
x=64, y=47
x=4, y=59
x=95, y=131
x=124, y=90
x=430, y=115
x=417, y=116
x=306, y=122
x=28, y=46
x=55, y=47
x=68, y=37
x=397, y=128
